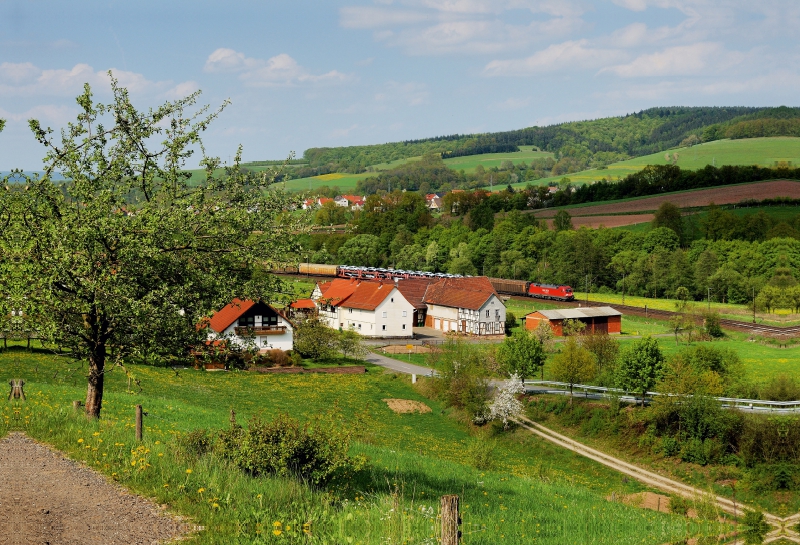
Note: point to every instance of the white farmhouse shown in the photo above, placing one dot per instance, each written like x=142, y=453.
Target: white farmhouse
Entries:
x=241, y=320
x=465, y=305
x=374, y=309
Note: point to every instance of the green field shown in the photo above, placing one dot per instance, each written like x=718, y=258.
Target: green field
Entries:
x=749, y=151
x=489, y=160
x=525, y=491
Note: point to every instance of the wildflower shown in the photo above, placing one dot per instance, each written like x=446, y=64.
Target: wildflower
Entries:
x=95, y=434
x=166, y=485
x=188, y=471
x=201, y=490
x=80, y=440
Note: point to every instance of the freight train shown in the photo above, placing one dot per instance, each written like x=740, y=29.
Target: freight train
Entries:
x=532, y=289
x=501, y=285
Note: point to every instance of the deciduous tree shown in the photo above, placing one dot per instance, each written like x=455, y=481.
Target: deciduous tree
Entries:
x=641, y=366
x=125, y=256
x=573, y=365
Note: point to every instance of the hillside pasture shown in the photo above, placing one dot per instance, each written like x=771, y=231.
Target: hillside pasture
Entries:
x=528, y=490
x=468, y=163
x=730, y=194
x=765, y=152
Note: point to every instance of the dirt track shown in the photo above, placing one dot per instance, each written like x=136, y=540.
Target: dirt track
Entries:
x=783, y=527
x=49, y=499
x=718, y=195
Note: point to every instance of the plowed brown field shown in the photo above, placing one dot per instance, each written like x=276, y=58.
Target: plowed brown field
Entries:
x=718, y=195
x=594, y=222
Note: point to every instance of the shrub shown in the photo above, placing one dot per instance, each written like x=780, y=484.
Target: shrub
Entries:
x=670, y=446
x=679, y=505
x=481, y=453
x=195, y=443
x=315, y=452
x=278, y=357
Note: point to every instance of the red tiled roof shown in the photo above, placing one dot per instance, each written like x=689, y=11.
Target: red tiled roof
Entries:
x=303, y=303
x=470, y=293
x=353, y=198
x=323, y=286
x=323, y=200
x=413, y=289
x=353, y=293
x=229, y=314
x=338, y=290
x=368, y=295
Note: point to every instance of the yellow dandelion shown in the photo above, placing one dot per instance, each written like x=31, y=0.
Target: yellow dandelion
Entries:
x=80, y=440
x=188, y=471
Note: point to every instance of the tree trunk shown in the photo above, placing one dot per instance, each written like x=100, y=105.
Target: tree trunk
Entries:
x=94, y=394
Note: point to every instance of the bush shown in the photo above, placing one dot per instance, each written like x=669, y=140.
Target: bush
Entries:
x=679, y=505
x=195, y=443
x=481, y=453
x=278, y=357
x=315, y=452
x=670, y=446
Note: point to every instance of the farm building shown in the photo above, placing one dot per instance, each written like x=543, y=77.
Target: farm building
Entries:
x=372, y=308
x=241, y=320
x=465, y=305
x=597, y=319
x=414, y=289
x=302, y=308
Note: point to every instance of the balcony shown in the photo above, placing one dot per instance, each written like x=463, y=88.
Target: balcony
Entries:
x=260, y=330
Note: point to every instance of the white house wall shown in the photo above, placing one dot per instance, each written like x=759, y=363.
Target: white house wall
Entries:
x=398, y=322
x=284, y=341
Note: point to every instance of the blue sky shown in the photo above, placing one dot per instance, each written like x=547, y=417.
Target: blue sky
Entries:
x=305, y=74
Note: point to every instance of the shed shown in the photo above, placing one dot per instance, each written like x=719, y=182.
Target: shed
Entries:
x=597, y=319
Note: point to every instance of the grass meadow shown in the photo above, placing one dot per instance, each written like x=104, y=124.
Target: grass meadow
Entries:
x=524, y=490
x=750, y=151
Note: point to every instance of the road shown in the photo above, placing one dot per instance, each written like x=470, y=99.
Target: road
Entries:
x=783, y=527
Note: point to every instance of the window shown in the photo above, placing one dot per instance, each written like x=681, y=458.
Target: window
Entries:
x=405, y=313
x=247, y=321
x=384, y=314
x=383, y=327
x=392, y=300
x=487, y=312
x=359, y=326
x=404, y=326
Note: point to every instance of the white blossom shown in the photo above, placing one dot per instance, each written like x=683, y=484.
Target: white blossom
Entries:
x=506, y=405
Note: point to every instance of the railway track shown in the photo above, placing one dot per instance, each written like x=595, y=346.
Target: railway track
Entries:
x=778, y=332
x=736, y=325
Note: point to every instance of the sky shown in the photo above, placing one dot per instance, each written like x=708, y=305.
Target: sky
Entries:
x=303, y=74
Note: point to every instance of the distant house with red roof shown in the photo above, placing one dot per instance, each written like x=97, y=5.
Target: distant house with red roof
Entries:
x=465, y=305
x=353, y=202
x=434, y=202
x=372, y=308
x=240, y=321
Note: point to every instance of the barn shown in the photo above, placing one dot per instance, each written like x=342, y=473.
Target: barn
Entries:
x=597, y=319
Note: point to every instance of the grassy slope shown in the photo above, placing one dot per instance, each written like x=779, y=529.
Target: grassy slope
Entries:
x=750, y=151
x=535, y=490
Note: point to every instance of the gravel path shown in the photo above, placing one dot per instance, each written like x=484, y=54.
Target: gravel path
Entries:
x=50, y=499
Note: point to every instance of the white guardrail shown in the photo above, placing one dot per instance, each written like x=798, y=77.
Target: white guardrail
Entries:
x=600, y=392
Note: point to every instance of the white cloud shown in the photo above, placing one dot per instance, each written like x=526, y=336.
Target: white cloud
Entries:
x=182, y=90
x=685, y=60
x=633, y=5
x=433, y=27
x=49, y=113
x=26, y=79
x=280, y=70
x=569, y=55
x=375, y=17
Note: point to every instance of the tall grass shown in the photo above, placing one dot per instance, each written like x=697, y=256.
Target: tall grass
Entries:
x=394, y=500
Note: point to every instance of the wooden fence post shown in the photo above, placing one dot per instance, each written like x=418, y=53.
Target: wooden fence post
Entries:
x=76, y=405
x=451, y=520
x=138, y=422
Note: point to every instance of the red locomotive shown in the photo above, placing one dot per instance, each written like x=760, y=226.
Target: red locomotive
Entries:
x=532, y=289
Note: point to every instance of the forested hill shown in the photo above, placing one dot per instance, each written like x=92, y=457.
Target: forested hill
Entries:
x=591, y=143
